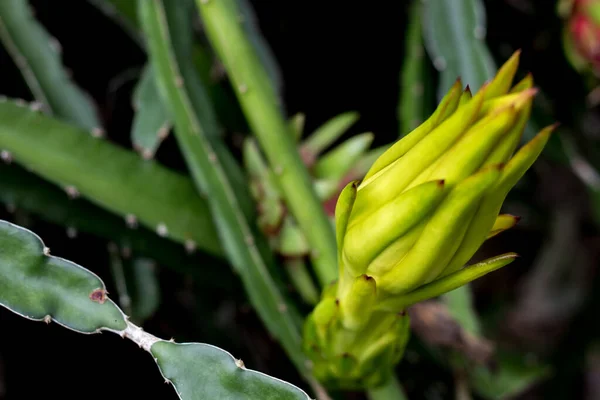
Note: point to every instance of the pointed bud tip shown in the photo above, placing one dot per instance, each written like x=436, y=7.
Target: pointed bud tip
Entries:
x=531, y=91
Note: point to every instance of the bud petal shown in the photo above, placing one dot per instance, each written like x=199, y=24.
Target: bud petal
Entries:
x=446, y=284
x=438, y=242
x=504, y=77
x=358, y=305
x=446, y=107
x=393, y=180
x=343, y=208
x=323, y=316
x=503, y=223
x=465, y=97
x=388, y=223
x=523, y=84
x=470, y=152
x=491, y=204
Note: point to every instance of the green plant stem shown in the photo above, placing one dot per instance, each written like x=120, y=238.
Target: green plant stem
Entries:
x=301, y=280
x=391, y=391
x=239, y=241
x=259, y=103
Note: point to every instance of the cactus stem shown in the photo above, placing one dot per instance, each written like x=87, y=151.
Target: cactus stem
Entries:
x=179, y=81
x=243, y=88
x=137, y=335
x=282, y=307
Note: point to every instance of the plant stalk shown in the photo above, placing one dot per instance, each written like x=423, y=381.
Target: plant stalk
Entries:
x=260, y=104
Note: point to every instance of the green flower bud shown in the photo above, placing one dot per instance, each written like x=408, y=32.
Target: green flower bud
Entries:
x=417, y=214
x=407, y=230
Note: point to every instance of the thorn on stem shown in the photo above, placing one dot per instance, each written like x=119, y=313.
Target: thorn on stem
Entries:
x=72, y=192
x=131, y=221
x=6, y=156
x=162, y=230
x=98, y=132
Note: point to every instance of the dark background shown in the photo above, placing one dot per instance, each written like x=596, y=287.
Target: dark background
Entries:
x=335, y=57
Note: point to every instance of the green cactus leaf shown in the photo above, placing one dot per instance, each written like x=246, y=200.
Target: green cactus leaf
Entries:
x=201, y=371
x=22, y=190
x=37, y=55
x=454, y=32
x=416, y=99
x=109, y=176
x=41, y=287
x=151, y=122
